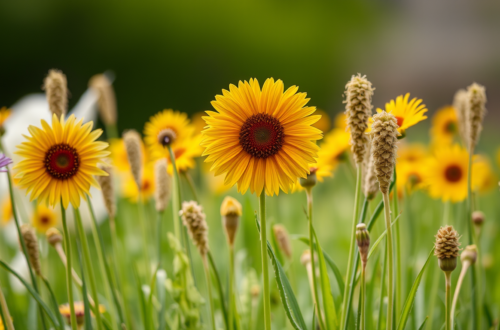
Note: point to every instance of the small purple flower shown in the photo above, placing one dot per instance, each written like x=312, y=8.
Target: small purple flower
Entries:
x=4, y=161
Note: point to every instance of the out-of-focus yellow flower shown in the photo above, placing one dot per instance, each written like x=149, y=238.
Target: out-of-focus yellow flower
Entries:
x=216, y=183
x=444, y=125
x=185, y=152
x=498, y=157
x=341, y=121
x=324, y=123
x=445, y=173
x=130, y=190
x=6, y=210
x=198, y=122
x=335, y=148
x=323, y=168
x=119, y=155
x=411, y=153
x=79, y=311
x=4, y=114
x=43, y=218
x=483, y=177
x=410, y=176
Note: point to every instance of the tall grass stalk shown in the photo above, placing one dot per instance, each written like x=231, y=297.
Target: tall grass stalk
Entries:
x=362, y=299
x=465, y=267
x=399, y=288
x=447, y=276
x=7, y=320
x=390, y=285
x=263, y=252
x=350, y=263
x=175, y=198
x=468, y=212
x=144, y=231
x=209, y=289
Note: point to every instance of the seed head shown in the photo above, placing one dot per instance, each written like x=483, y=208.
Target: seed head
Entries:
x=194, y=219
x=460, y=105
x=469, y=254
x=281, y=235
x=476, y=100
x=478, y=218
x=132, y=141
x=358, y=109
x=54, y=237
x=370, y=187
x=447, y=248
x=384, y=146
x=107, y=100
x=31, y=242
x=107, y=189
x=363, y=240
x=305, y=258
x=163, y=186
x=56, y=91
x=231, y=211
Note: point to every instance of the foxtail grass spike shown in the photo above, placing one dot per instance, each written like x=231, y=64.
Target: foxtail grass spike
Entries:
x=31, y=241
x=476, y=101
x=106, y=98
x=163, y=185
x=193, y=218
x=107, y=189
x=132, y=141
x=56, y=91
x=283, y=240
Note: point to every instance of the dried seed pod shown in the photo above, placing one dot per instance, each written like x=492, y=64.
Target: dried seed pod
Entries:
x=56, y=91
x=133, y=146
x=460, y=105
x=384, y=146
x=31, y=242
x=358, y=109
x=194, y=219
x=283, y=240
x=447, y=248
x=370, y=187
x=107, y=100
x=107, y=189
x=163, y=186
x=231, y=212
x=476, y=100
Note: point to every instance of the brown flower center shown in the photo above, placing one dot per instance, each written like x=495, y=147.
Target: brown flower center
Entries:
x=62, y=161
x=400, y=121
x=450, y=127
x=262, y=135
x=453, y=173
x=44, y=219
x=166, y=137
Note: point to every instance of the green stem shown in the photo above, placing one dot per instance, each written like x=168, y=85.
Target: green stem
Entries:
x=448, y=299
x=390, y=285
x=69, y=269
x=219, y=287
x=265, y=270
x=209, y=289
x=231, y=288
x=350, y=264
x=465, y=266
x=5, y=312
x=175, y=198
x=398, y=291
x=145, y=238
x=159, y=223
x=362, y=303
x=111, y=131
x=475, y=319
x=190, y=182
x=88, y=263
x=54, y=302
x=382, y=288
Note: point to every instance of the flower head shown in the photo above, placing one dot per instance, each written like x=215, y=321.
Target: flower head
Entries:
x=133, y=146
x=407, y=113
x=43, y=218
x=4, y=161
x=475, y=111
x=444, y=126
x=60, y=161
x=460, y=106
x=119, y=156
x=147, y=185
x=262, y=139
x=193, y=218
x=107, y=100
x=484, y=179
x=231, y=212
x=108, y=190
x=31, y=242
x=185, y=151
x=335, y=147
x=447, y=248
x=163, y=185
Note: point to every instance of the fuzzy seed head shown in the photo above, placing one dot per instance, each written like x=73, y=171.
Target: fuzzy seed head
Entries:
x=469, y=254
x=283, y=240
x=363, y=240
x=56, y=91
x=460, y=105
x=163, y=186
x=194, y=219
x=132, y=141
x=231, y=211
x=478, y=218
x=31, y=242
x=107, y=100
x=305, y=258
x=370, y=184
x=107, y=189
x=447, y=248
x=358, y=109
x=53, y=236
x=384, y=135
x=476, y=100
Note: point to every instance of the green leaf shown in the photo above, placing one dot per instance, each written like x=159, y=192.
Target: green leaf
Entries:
x=290, y=304
x=331, y=263
x=54, y=302
x=219, y=286
x=423, y=323
x=377, y=242
x=150, y=307
x=411, y=296
x=326, y=290
x=33, y=293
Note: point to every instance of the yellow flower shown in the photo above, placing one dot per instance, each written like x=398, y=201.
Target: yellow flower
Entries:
x=446, y=173
x=216, y=184
x=4, y=114
x=444, y=125
x=261, y=139
x=79, y=311
x=341, y=121
x=483, y=177
x=335, y=147
x=407, y=113
x=198, y=122
x=323, y=168
x=324, y=123
x=410, y=176
x=6, y=211
x=411, y=153
x=130, y=190
x=230, y=206
x=184, y=152
x=43, y=219
x=119, y=155
x=60, y=161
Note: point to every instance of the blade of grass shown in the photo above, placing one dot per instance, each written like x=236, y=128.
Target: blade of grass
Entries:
x=219, y=287
x=423, y=323
x=377, y=242
x=86, y=304
x=54, y=302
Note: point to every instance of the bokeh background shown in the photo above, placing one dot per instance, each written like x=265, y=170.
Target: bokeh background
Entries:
x=179, y=55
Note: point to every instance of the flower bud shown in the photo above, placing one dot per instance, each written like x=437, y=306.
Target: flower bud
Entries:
x=363, y=240
x=478, y=218
x=310, y=180
x=283, y=240
x=231, y=212
x=469, y=254
x=447, y=248
x=54, y=237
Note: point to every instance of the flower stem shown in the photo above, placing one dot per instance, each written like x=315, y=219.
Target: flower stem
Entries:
x=390, y=285
x=447, y=276
x=350, y=263
x=263, y=252
x=144, y=232
x=69, y=270
x=175, y=197
x=190, y=182
x=209, y=288
x=465, y=266
x=159, y=222
x=399, y=289
x=363, y=298
x=475, y=321
x=231, y=288
x=88, y=263
x=5, y=312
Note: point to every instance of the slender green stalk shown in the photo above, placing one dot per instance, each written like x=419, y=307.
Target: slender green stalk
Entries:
x=111, y=131
x=160, y=235
x=265, y=270
x=54, y=302
x=209, y=289
x=399, y=289
x=475, y=319
x=363, y=298
x=390, y=285
x=88, y=263
x=219, y=287
x=447, y=276
x=5, y=312
x=465, y=267
x=350, y=263
x=69, y=269
x=382, y=288
x=190, y=182
x=145, y=238
x=175, y=198
x=231, y=288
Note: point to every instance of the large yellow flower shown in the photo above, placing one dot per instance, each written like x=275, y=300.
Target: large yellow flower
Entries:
x=411, y=153
x=261, y=139
x=446, y=173
x=43, y=218
x=410, y=176
x=444, y=125
x=60, y=161
x=407, y=113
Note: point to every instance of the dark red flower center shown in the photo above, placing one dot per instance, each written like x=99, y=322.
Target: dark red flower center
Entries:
x=262, y=135
x=44, y=219
x=453, y=173
x=400, y=121
x=62, y=161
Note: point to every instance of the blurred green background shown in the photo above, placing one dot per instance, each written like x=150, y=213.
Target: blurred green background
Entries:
x=181, y=54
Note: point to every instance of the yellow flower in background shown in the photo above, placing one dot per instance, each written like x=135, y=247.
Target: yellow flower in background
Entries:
x=446, y=173
x=407, y=113
x=341, y=121
x=323, y=168
x=43, y=219
x=4, y=114
x=410, y=176
x=79, y=311
x=444, y=125
x=335, y=147
x=119, y=156
x=262, y=139
x=198, y=122
x=6, y=210
x=60, y=161
x=411, y=152
x=324, y=123
x=216, y=184
x=130, y=190
x=185, y=152
x=484, y=178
